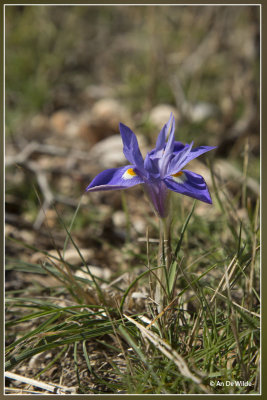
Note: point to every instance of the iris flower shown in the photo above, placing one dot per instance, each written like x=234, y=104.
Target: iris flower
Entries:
x=162, y=169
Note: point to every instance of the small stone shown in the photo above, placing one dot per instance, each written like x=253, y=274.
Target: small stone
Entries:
x=105, y=116
x=109, y=152
x=39, y=122
x=103, y=273
x=71, y=256
x=119, y=219
x=96, y=92
x=160, y=114
x=139, y=224
x=59, y=121
x=201, y=111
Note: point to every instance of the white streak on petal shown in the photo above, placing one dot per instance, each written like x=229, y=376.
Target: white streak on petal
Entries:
x=181, y=178
x=129, y=174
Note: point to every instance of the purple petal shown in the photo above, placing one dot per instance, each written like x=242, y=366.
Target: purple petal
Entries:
x=170, y=144
x=115, y=179
x=161, y=141
x=179, y=160
x=130, y=147
x=151, y=167
x=178, y=146
x=189, y=184
x=197, y=151
x=168, y=152
x=184, y=157
x=158, y=196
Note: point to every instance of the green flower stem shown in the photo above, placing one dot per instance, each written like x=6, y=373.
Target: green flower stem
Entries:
x=167, y=245
x=164, y=262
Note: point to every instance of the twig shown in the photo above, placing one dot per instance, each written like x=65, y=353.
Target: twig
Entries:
x=49, y=197
x=23, y=159
x=51, y=387
x=22, y=156
x=35, y=147
x=20, y=391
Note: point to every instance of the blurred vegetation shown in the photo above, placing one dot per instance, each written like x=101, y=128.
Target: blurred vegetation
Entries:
x=54, y=53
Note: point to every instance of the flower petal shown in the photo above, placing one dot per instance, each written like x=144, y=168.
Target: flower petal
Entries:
x=178, y=146
x=115, y=179
x=151, y=166
x=182, y=158
x=161, y=141
x=130, y=147
x=197, y=151
x=170, y=144
x=158, y=196
x=168, y=151
x=179, y=160
x=190, y=184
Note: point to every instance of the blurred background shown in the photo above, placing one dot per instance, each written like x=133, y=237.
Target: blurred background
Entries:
x=74, y=72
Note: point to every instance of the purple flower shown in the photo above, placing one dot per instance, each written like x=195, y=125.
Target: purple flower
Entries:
x=160, y=171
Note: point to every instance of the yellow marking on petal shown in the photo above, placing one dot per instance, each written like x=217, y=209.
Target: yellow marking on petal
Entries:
x=179, y=177
x=131, y=171
x=129, y=174
x=178, y=174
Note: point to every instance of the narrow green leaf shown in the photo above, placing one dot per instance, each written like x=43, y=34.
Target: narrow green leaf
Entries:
x=177, y=249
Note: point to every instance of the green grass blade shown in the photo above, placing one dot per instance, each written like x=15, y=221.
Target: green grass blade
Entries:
x=177, y=249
